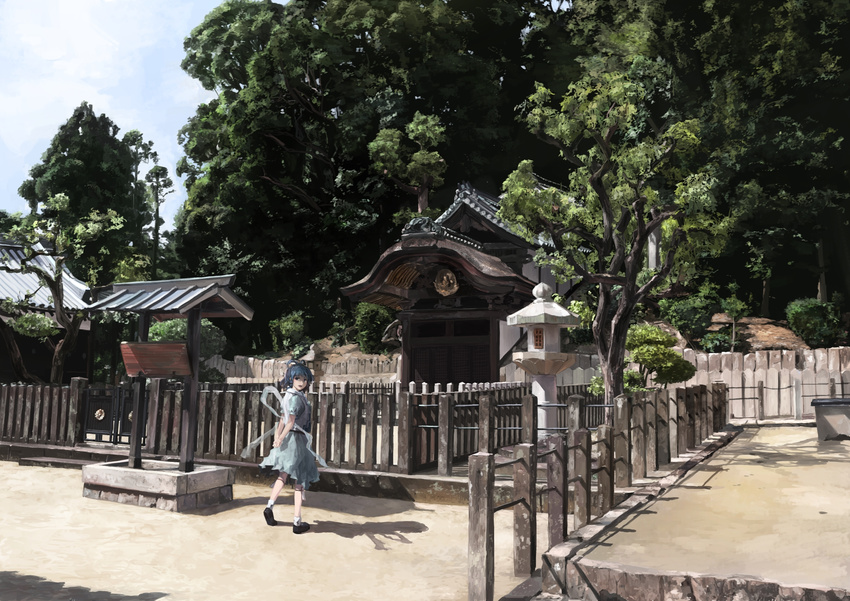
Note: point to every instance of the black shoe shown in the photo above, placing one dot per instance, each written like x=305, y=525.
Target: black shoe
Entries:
x=300, y=528
x=269, y=515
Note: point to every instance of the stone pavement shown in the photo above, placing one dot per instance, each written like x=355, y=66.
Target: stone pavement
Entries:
x=773, y=505
x=57, y=545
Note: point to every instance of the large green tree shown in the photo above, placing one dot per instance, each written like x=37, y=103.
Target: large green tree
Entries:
x=277, y=165
x=631, y=175
x=42, y=234
x=97, y=171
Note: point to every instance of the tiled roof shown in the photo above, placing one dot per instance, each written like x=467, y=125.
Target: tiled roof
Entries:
x=176, y=297
x=17, y=285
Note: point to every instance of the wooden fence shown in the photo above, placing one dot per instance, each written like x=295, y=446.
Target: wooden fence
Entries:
x=41, y=414
x=644, y=433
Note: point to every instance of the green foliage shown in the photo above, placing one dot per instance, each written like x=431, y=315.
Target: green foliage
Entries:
x=34, y=325
x=691, y=315
x=717, y=342
x=584, y=312
x=818, y=323
x=632, y=382
x=403, y=216
x=96, y=172
x=650, y=347
x=288, y=332
x=213, y=341
x=370, y=321
x=277, y=166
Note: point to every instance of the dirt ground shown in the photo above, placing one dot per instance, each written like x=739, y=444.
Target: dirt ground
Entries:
x=57, y=545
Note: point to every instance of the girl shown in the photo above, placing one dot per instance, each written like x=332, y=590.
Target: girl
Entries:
x=290, y=454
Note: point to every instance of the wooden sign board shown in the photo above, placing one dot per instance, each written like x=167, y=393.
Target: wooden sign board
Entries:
x=156, y=359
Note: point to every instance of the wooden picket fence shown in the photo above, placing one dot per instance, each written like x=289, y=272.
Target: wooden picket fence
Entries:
x=645, y=432
x=41, y=414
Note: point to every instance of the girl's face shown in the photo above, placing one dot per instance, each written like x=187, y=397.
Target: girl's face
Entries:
x=299, y=383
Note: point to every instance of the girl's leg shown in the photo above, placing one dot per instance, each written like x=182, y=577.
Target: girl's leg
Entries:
x=299, y=527
x=268, y=513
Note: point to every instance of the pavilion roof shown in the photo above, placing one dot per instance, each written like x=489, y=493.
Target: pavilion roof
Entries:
x=16, y=286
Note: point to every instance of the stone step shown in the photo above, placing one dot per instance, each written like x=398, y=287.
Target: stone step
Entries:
x=63, y=462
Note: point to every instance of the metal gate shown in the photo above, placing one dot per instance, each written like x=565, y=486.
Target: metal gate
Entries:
x=108, y=414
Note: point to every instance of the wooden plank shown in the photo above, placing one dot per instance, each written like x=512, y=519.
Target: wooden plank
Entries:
x=355, y=443
x=387, y=416
x=176, y=419
x=55, y=399
x=339, y=426
x=4, y=410
x=786, y=394
x=156, y=359
x=65, y=424
x=46, y=409
x=771, y=393
x=154, y=408
x=34, y=404
x=26, y=424
x=325, y=422
x=227, y=426
x=241, y=439
x=370, y=412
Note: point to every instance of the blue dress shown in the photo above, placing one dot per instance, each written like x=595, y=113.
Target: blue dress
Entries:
x=294, y=456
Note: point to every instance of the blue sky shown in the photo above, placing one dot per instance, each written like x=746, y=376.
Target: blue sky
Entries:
x=121, y=56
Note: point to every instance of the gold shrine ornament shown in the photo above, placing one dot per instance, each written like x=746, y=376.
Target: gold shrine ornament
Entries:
x=445, y=283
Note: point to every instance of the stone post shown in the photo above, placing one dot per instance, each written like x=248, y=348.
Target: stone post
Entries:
x=622, y=440
x=581, y=510
x=446, y=431
x=638, y=453
x=605, y=475
x=556, y=482
x=525, y=512
x=481, y=566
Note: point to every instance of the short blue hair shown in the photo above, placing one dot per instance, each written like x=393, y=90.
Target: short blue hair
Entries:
x=294, y=369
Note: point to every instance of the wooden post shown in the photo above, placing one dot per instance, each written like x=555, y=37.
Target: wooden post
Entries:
x=75, y=415
x=682, y=421
x=525, y=513
x=650, y=440
x=153, y=413
x=605, y=475
x=638, y=453
x=556, y=481
x=355, y=406
x=446, y=427
x=134, y=459
x=760, y=400
x=486, y=443
x=387, y=415
x=189, y=423
x=481, y=567
x=622, y=440
x=405, y=436
x=340, y=409
x=325, y=422
x=581, y=510
x=662, y=434
x=529, y=418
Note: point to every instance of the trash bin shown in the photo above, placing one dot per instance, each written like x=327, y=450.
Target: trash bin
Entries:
x=832, y=417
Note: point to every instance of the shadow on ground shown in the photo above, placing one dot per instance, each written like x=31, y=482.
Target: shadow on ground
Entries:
x=391, y=531
x=21, y=587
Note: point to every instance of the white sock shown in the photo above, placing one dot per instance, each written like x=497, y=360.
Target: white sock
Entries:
x=270, y=504
x=296, y=520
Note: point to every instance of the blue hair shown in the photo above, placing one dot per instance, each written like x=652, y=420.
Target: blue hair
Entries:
x=296, y=369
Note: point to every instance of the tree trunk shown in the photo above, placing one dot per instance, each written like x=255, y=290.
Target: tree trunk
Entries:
x=63, y=348
x=765, y=297
x=15, y=356
x=609, y=331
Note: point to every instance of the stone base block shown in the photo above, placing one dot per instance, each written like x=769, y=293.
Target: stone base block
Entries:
x=159, y=484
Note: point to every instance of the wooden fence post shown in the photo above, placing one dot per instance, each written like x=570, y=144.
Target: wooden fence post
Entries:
x=387, y=415
x=662, y=434
x=355, y=409
x=340, y=409
x=486, y=444
x=405, y=436
x=556, y=482
x=446, y=426
x=760, y=393
x=154, y=392
x=529, y=418
x=325, y=420
x=681, y=421
x=525, y=513
x=582, y=510
x=622, y=440
x=605, y=473
x=638, y=453
x=481, y=566
x=5, y=409
x=75, y=414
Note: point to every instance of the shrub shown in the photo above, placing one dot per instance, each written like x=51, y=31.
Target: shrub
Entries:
x=288, y=332
x=818, y=323
x=370, y=322
x=213, y=342
x=690, y=315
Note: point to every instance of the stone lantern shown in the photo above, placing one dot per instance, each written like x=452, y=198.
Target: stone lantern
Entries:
x=543, y=320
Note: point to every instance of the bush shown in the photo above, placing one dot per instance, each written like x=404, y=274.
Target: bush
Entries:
x=371, y=321
x=716, y=342
x=213, y=342
x=816, y=322
x=690, y=315
x=288, y=333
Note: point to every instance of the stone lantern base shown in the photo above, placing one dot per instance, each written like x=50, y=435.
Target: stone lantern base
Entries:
x=544, y=363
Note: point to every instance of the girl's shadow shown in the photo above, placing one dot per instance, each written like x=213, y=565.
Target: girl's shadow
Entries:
x=392, y=531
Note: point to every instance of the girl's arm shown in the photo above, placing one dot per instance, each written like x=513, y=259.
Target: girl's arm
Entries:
x=283, y=428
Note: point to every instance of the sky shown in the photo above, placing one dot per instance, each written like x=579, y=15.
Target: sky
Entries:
x=121, y=56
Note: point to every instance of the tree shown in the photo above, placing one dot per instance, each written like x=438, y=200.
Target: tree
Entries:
x=43, y=235
x=94, y=169
x=414, y=171
x=629, y=179
x=277, y=165
x=160, y=186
